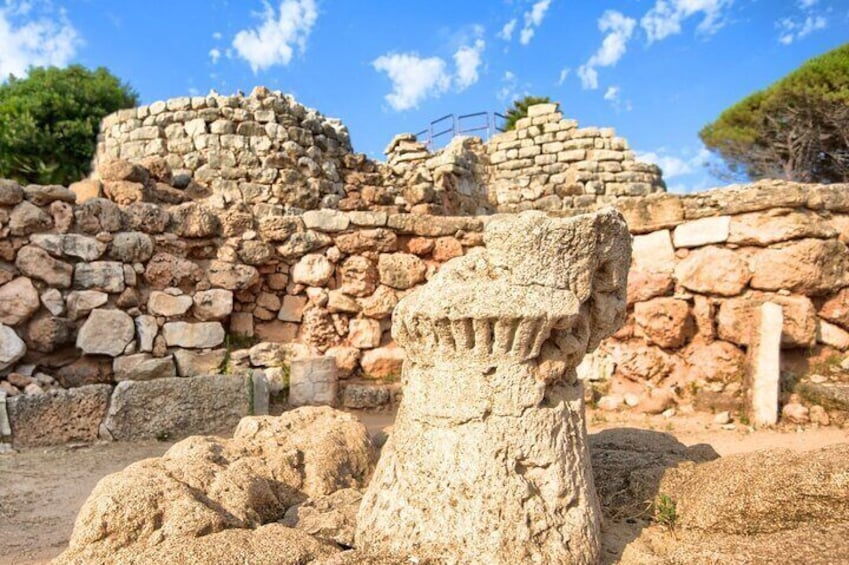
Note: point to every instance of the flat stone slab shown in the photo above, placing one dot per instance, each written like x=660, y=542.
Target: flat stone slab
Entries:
x=58, y=416
x=178, y=406
x=830, y=396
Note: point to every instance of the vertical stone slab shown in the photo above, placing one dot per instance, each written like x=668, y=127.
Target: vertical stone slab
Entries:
x=488, y=461
x=764, y=365
x=260, y=393
x=5, y=427
x=313, y=382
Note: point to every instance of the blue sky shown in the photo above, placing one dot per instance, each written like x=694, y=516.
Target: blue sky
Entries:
x=656, y=70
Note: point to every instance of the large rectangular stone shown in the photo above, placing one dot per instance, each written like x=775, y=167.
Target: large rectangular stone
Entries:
x=57, y=416
x=764, y=365
x=178, y=406
x=701, y=232
x=313, y=381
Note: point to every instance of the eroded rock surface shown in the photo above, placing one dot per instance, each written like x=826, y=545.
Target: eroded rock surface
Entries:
x=488, y=460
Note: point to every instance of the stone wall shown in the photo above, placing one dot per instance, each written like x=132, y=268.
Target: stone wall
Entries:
x=267, y=148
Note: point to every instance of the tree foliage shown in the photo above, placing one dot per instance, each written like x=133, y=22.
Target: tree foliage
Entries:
x=519, y=109
x=797, y=128
x=49, y=121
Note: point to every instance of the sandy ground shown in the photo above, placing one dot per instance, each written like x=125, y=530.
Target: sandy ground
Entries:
x=41, y=490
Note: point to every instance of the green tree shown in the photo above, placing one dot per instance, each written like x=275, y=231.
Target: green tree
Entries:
x=797, y=128
x=49, y=121
x=520, y=109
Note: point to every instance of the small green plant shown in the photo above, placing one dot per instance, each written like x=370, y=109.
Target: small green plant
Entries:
x=163, y=436
x=665, y=511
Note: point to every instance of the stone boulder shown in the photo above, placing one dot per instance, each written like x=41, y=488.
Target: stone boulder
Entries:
x=106, y=332
x=212, y=500
x=18, y=301
x=58, y=416
x=664, y=321
x=35, y=262
x=808, y=266
x=713, y=270
x=27, y=218
x=70, y=245
x=401, y=270
x=198, y=335
x=12, y=347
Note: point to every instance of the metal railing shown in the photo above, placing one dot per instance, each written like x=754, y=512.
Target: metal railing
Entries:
x=485, y=124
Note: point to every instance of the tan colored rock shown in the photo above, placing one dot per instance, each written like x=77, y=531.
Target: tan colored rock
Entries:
x=165, y=304
x=713, y=270
x=198, y=335
x=644, y=285
x=446, y=248
x=213, y=304
x=206, y=499
x=483, y=379
x=124, y=192
x=641, y=363
x=364, y=333
x=46, y=333
x=106, y=276
x=331, y=518
x=70, y=245
x=654, y=253
x=312, y=270
x=106, y=332
x=57, y=416
x=194, y=220
x=143, y=367
x=381, y=240
x=122, y=170
x=81, y=302
x=359, y=276
x=734, y=319
x=383, y=362
x=27, y=218
x=808, y=266
x=836, y=308
x=12, y=347
x=165, y=270
x=401, y=270
x=380, y=304
x=195, y=363
x=347, y=359
x=703, y=231
x=718, y=361
x=774, y=226
x=18, y=301
x=830, y=334
x=232, y=276
x=292, y=309
x=37, y=263
x=665, y=321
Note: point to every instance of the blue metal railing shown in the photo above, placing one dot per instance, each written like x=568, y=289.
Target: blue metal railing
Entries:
x=449, y=126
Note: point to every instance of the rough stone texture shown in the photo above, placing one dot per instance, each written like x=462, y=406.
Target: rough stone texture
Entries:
x=18, y=301
x=313, y=381
x=177, y=406
x=207, y=498
x=808, y=266
x=331, y=518
x=37, y=263
x=713, y=270
x=665, y=321
x=12, y=347
x=401, y=270
x=106, y=276
x=702, y=232
x=734, y=319
x=481, y=337
x=195, y=363
x=165, y=304
x=198, y=335
x=143, y=367
x=58, y=416
x=106, y=332
x=764, y=360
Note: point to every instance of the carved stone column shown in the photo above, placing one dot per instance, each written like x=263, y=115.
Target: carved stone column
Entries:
x=488, y=460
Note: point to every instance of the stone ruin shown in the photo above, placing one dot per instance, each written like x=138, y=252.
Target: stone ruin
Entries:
x=487, y=461
x=241, y=235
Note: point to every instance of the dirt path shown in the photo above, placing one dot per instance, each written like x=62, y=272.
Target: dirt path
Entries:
x=42, y=490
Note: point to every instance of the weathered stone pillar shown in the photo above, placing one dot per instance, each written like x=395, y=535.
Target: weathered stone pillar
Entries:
x=765, y=365
x=488, y=461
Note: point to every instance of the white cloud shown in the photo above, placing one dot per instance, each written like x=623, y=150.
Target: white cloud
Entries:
x=791, y=30
x=805, y=4
x=415, y=78
x=506, y=32
x=274, y=41
x=673, y=165
x=33, y=35
x=214, y=55
x=564, y=72
x=612, y=94
x=666, y=16
x=619, y=29
x=468, y=59
x=217, y=35
x=510, y=89
x=533, y=19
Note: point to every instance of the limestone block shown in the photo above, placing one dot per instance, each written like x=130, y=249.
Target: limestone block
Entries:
x=764, y=362
x=106, y=276
x=146, y=330
x=142, y=367
x=326, y=220
x=774, y=226
x=713, y=270
x=194, y=363
x=313, y=269
x=702, y=232
x=165, y=304
x=58, y=416
x=18, y=301
x=178, y=406
x=364, y=333
x=292, y=309
x=832, y=335
x=199, y=335
x=734, y=319
x=106, y=332
x=807, y=266
x=653, y=252
x=12, y=347
x=37, y=263
x=665, y=321
x=70, y=245
x=81, y=302
x=492, y=343
x=313, y=381
x=213, y=304
x=401, y=270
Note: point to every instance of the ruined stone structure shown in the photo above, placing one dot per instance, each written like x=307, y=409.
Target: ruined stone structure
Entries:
x=488, y=461
x=116, y=289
